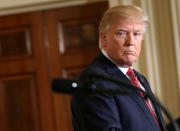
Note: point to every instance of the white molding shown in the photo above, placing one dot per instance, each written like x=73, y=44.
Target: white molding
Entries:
x=113, y=3
x=127, y=2
x=175, y=13
x=151, y=51
x=41, y=5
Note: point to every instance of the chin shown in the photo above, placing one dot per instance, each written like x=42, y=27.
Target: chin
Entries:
x=126, y=62
x=130, y=63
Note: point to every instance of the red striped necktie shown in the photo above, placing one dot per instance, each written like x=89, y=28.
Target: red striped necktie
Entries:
x=135, y=82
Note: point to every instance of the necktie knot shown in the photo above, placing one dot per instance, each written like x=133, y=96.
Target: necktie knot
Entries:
x=132, y=77
x=130, y=72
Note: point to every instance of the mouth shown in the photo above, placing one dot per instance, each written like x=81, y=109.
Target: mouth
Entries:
x=130, y=52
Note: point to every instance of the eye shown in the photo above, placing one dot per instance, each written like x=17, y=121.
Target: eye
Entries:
x=122, y=34
x=136, y=34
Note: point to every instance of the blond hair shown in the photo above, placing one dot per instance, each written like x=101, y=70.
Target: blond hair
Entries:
x=129, y=12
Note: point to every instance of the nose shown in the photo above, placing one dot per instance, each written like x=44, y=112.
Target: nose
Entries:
x=130, y=39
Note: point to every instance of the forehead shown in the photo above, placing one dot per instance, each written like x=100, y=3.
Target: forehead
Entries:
x=129, y=25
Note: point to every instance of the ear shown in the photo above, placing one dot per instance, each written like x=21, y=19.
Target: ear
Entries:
x=103, y=39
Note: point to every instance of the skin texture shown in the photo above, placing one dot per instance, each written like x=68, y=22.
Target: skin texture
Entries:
x=122, y=41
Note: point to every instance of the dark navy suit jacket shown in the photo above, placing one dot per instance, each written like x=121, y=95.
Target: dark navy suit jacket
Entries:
x=112, y=112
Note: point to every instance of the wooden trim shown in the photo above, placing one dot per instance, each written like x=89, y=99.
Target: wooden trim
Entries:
x=36, y=6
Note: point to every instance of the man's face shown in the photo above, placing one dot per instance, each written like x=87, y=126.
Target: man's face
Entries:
x=122, y=42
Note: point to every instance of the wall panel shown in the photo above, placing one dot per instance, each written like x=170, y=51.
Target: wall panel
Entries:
x=25, y=100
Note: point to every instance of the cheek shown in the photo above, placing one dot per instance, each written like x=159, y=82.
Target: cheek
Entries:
x=112, y=44
x=118, y=48
x=118, y=44
x=138, y=49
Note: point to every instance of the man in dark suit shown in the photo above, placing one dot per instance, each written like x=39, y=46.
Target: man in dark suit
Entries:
x=121, y=33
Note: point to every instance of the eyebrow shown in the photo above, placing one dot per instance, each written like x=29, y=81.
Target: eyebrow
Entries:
x=122, y=29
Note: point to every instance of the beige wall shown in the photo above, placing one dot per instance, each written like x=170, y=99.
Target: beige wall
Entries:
x=160, y=56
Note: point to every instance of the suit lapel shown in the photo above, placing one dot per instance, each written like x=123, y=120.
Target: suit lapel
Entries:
x=149, y=114
x=156, y=108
